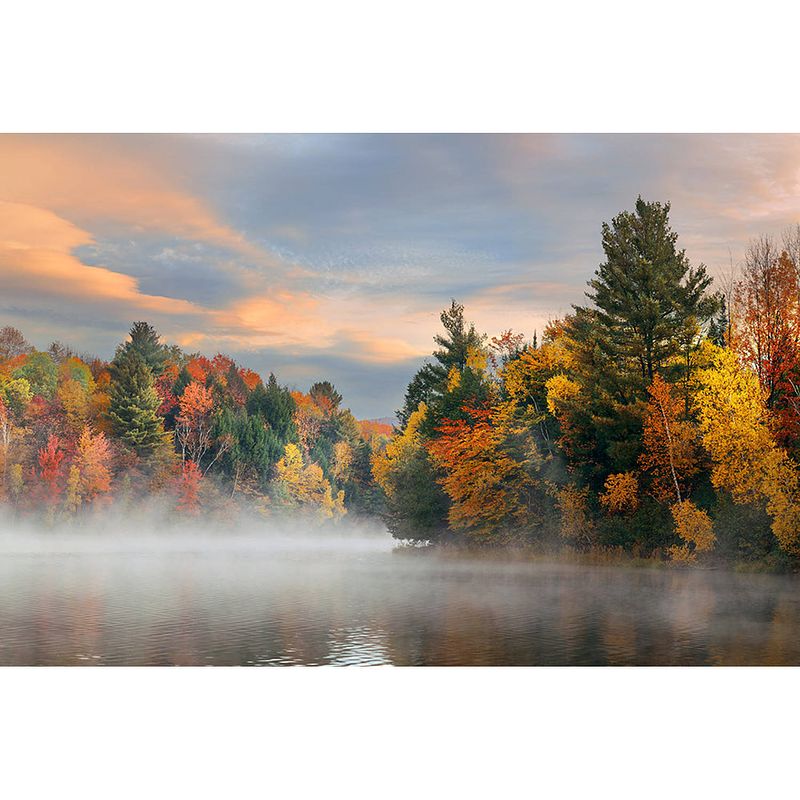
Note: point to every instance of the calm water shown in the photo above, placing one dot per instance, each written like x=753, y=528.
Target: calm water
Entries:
x=357, y=599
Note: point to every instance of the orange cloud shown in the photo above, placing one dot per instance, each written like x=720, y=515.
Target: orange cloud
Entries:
x=35, y=256
x=85, y=178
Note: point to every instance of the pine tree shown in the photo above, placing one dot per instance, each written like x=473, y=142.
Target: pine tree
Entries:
x=146, y=343
x=133, y=403
x=276, y=406
x=649, y=301
x=455, y=345
x=719, y=327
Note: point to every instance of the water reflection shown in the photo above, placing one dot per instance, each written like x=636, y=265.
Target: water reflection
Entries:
x=369, y=604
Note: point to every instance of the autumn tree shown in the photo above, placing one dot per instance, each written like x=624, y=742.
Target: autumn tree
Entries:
x=695, y=529
x=50, y=458
x=194, y=422
x=15, y=397
x=669, y=451
x=93, y=462
x=486, y=486
x=188, y=488
x=767, y=331
x=416, y=505
x=74, y=399
x=747, y=462
x=621, y=493
x=305, y=487
x=41, y=373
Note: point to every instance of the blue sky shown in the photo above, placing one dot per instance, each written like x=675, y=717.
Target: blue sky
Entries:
x=330, y=256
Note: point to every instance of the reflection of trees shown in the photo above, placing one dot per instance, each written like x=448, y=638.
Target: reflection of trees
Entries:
x=758, y=623
x=422, y=608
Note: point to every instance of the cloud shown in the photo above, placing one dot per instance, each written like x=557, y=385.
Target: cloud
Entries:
x=36, y=261
x=336, y=253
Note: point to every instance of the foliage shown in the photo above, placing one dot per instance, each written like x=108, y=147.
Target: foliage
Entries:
x=133, y=403
x=145, y=342
x=305, y=486
x=486, y=486
x=669, y=452
x=694, y=527
x=746, y=460
x=621, y=493
x=41, y=373
x=647, y=296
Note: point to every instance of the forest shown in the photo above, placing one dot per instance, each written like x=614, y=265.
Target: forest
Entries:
x=660, y=419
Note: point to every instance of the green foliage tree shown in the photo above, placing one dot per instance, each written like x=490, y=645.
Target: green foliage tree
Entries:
x=648, y=299
x=146, y=343
x=276, y=406
x=41, y=373
x=454, y=346
x=133, y=403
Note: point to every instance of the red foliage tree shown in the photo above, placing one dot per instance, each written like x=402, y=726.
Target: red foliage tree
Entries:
x=767, y=331
x=188, y=488
x=50, y=458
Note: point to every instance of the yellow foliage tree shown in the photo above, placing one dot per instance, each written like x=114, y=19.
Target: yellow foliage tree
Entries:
x=694, y=526
x=621, y=493
x=75, y=400
x=560, y=390
x=747, y=462
x=342, y=461
x=400, y=446
x=576, y=521
x=306, y=487
x=477, y=359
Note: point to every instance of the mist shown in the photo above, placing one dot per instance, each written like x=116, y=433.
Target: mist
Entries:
x=140, y=588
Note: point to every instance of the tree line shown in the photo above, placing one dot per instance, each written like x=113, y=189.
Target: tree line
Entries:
x=661, y=417
x=205, y=435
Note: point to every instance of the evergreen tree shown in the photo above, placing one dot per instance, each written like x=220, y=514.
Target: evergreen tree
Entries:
x=133, y=403
x=648, y=299
x=253, y=450
x=718, y=328
x=431, y=379
x=276, y=406
x=146, y=343
x=324, y=394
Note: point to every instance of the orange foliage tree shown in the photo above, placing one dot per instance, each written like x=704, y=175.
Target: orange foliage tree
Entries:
x=485, y=485
x=621, y=493
x=93, y=460
x=669, y=451
x=194, y=422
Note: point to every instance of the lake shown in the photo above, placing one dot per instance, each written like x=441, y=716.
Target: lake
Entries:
x=338, y=598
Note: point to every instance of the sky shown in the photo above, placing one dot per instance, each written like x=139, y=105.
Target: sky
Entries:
x=330, y=257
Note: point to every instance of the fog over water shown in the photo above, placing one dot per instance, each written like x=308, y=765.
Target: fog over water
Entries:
x=133, y=591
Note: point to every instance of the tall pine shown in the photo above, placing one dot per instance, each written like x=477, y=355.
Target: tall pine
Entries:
x=146, y=343
x=649, y=301
x=133, y=403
